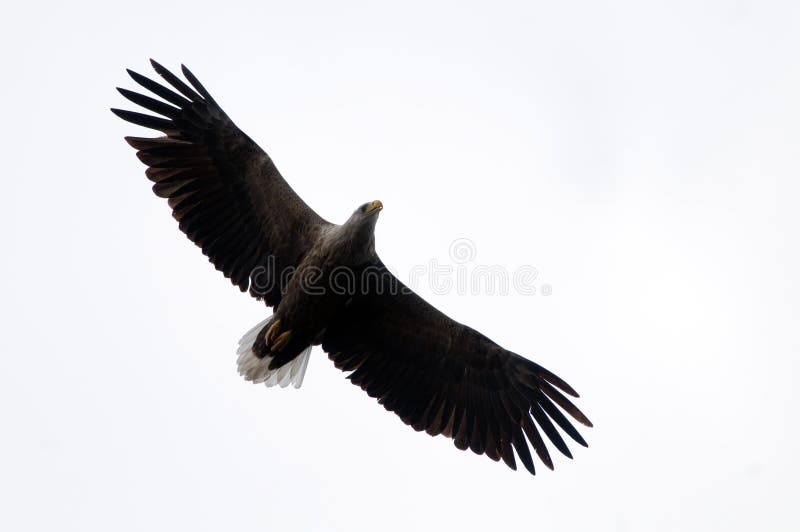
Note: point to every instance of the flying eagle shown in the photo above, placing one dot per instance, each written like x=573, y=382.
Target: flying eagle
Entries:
x=327, y=286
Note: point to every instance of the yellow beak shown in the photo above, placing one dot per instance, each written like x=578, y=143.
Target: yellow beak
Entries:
x=375, y=206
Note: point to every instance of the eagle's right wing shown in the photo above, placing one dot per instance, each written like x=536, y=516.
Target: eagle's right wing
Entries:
x=224, y=190
x=445, y=378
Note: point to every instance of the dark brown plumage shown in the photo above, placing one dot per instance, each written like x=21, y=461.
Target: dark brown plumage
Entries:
x=445, y=378
x=224, y=191
x=436, y=374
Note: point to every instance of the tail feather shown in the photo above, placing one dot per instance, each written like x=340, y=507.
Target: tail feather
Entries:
x=257, y=369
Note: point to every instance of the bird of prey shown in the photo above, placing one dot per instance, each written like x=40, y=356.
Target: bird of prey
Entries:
x=327, y=286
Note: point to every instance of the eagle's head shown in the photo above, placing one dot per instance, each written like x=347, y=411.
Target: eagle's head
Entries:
x=369, y=209
x=366, y=215
x=360, y=227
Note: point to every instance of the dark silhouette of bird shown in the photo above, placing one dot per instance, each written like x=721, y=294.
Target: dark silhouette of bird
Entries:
x=327, y=286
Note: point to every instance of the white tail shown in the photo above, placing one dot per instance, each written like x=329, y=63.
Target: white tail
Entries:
x=257, y=369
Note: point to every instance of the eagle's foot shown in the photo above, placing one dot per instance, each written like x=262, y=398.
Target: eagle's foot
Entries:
x=272, y=331
x=281, y=341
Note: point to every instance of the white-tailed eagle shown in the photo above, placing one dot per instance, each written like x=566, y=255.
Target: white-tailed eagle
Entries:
x=328, y=287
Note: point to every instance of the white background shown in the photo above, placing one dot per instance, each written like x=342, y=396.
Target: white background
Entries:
x=643, y=156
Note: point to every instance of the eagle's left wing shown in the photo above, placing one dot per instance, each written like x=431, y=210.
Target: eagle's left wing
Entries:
x=446, y=378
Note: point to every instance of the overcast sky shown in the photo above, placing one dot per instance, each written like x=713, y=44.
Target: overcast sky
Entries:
x=641, y=156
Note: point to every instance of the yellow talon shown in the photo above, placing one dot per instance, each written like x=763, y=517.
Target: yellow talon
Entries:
x=281, y=341
x=272, y=331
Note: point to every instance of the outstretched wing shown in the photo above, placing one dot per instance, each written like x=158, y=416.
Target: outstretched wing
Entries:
x=446, y=378
x=224, y=190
